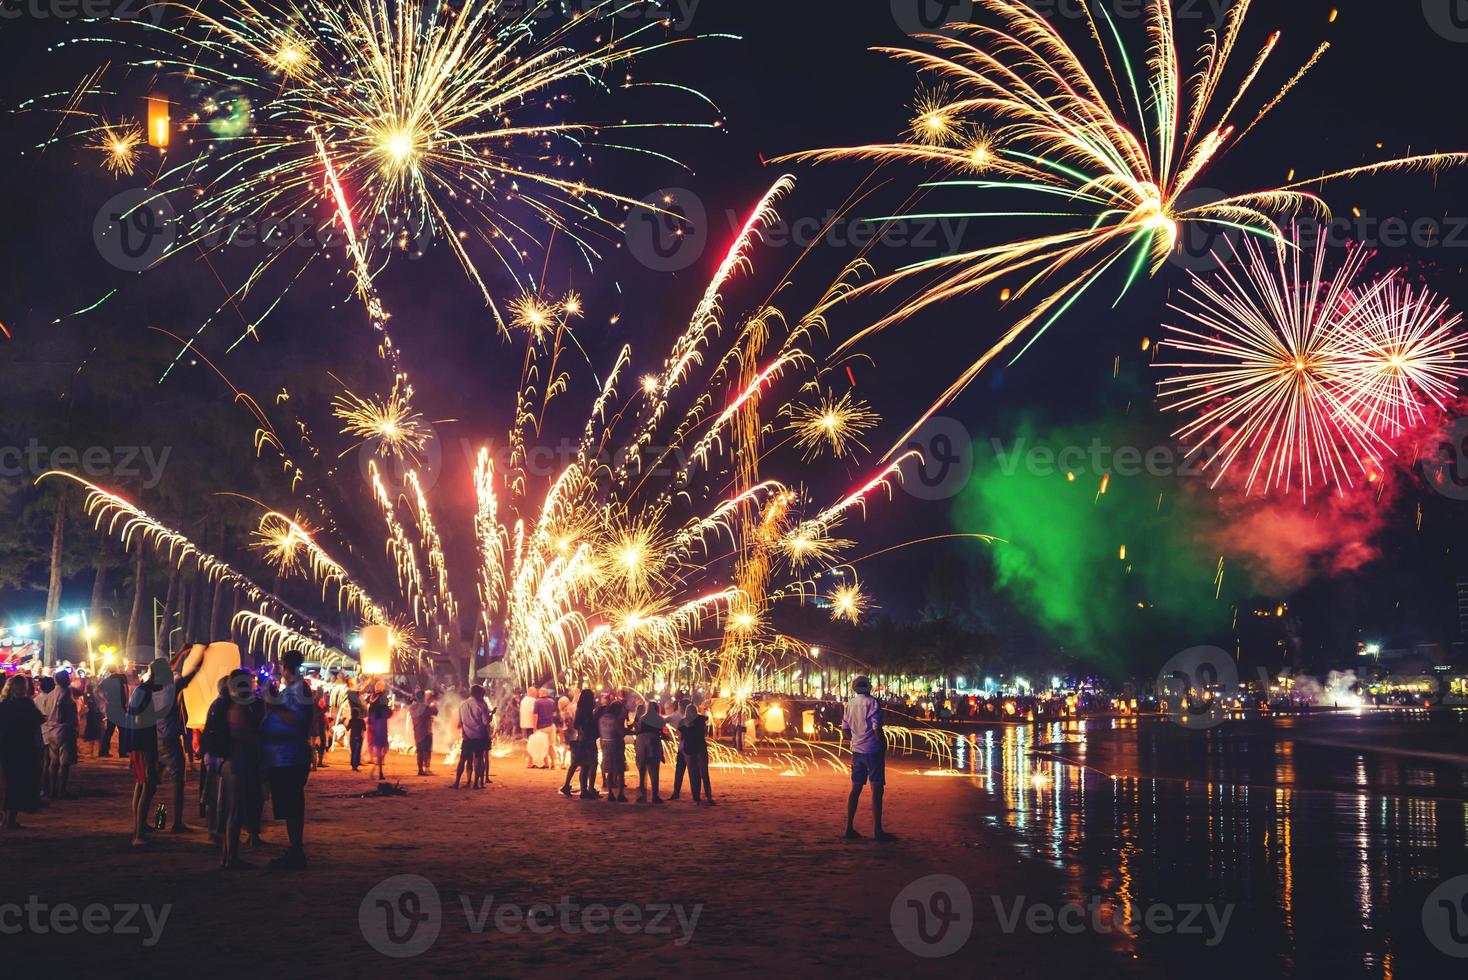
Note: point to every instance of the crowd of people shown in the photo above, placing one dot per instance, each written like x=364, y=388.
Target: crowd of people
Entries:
x=264, y=733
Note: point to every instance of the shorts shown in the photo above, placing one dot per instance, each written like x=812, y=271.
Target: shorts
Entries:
x=145, y=767
x=868, y=767
x=648, y=750
x=170, y=757
x=613, y=756
x=472, y=745
x=287, y=790
x=61, y=751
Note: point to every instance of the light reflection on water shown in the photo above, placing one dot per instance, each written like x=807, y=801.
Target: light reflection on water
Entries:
x=1324, y=833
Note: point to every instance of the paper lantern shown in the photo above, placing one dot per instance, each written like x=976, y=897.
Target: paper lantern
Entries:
x=217, y=660
x=376, y=654
x=158, y=122
x=774, y=719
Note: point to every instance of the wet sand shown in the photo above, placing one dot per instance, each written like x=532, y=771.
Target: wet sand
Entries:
x=773, y=885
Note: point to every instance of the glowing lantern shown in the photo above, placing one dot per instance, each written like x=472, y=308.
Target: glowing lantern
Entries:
x=807, y=722
x=376, y=653
x=774, y=719
x=158, y=123
x=213, y=662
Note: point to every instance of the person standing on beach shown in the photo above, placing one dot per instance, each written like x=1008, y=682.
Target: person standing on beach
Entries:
x=693, y=743
x=422, y=712
x=611, y=724
x=20, y=727
x=545, y=723
x=648, y=750
x=527, y=721
x=868, y=755
x=674, y=720
x=58, y=732
x=475, y=721
x=285, y=735
x=584, y=758
x=379, y=712
x=168, y=687
x=112, y=692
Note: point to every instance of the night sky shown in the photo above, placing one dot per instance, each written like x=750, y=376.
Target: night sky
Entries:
x=802, y=77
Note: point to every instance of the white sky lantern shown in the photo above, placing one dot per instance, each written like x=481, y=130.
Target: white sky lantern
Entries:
x=376, y=653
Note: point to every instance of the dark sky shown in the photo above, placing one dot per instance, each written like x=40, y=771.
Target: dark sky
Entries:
x=801, y=77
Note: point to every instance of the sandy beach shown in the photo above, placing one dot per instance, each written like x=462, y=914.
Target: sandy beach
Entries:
x=762, y=881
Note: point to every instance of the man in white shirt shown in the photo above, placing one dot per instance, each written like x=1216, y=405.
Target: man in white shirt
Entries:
x=527, y=721
x=868, y=755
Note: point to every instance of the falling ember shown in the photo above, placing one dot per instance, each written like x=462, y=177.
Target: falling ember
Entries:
x=158, y=122
x=1123, y=553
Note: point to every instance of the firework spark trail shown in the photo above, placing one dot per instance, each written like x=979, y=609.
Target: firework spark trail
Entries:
x=1403, y=353
x=128, y=523
x=1024, y=114
x=445, y=122
x=1301, y=372
x=276, y=639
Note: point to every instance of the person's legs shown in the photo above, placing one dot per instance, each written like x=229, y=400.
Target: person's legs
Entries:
x=852, y=800
x=573, y=763
x=679, y=769
x=179, y=826
x=142, y=802
x=654, y=764
x=104, y=749
x=466, y=761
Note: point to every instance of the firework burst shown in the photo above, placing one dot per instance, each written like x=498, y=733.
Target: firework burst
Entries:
x=437, y=122
x=1111, y=161
x=1302, y=374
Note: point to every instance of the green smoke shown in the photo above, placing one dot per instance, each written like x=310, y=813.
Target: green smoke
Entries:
x=1062, y=564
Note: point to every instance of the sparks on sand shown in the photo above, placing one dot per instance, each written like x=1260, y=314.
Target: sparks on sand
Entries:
x=1110, y=162
x=444, y=122
x=1301, y=374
